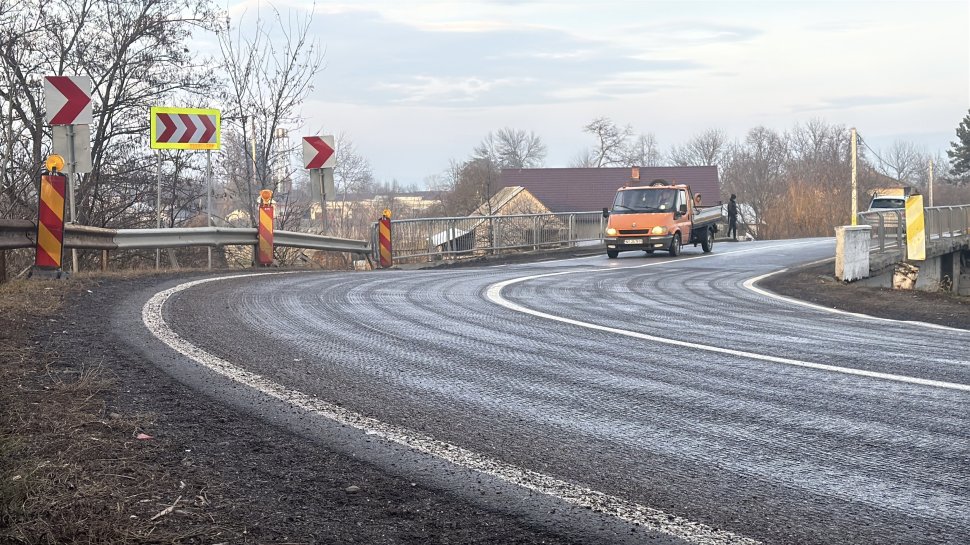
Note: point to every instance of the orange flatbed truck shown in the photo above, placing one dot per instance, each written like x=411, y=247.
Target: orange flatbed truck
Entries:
x=658, y=216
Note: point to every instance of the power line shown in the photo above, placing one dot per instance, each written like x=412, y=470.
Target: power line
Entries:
x=881, y=160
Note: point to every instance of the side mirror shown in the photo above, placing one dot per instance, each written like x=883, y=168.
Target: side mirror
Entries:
x=683, y=209
x=606, y=212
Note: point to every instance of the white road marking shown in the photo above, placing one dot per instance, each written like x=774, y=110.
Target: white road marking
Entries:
x=750, y=284
x=632, y=512
x=494, y=294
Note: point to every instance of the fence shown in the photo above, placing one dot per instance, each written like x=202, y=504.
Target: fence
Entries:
x=440, y=238
x=942, y=223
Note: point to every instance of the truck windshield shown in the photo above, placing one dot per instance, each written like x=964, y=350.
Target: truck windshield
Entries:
x=887, y=203
x=644, y=200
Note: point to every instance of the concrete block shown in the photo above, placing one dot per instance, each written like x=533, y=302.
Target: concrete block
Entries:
x=852, y=252
x=930, y=275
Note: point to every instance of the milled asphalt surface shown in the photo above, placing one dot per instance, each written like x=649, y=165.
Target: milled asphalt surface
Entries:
x=771, y=452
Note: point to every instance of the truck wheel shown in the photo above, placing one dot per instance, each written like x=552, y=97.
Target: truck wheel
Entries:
x=708, y=243
x=612, y=254
x=675, y=246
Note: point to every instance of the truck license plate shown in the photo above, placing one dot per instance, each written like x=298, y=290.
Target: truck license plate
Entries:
x=633, y=241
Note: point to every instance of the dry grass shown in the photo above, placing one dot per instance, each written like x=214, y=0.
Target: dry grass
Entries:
x=70, y=471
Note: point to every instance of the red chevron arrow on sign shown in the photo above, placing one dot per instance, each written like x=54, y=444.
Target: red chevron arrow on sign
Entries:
x=210, y=128
x=317, y=151
x=166, y=135
x=189, y=128
x=67, y=101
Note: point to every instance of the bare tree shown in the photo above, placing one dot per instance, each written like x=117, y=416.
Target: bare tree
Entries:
x=135, y=55
x=611, y=142
x=512, y=148
x=270, y=74
x=643, y=151
x=755, y=172
x=584, y=159
x=904, y=162
x=702, y=150
x=353, y=178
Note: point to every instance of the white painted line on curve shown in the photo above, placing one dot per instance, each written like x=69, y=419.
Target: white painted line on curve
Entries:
x=632, y=512
x=494, y=294
x=750, y=284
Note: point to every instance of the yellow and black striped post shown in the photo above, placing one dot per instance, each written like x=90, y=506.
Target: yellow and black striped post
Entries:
x=915, y=229
x=265, y=232
x=50, y=224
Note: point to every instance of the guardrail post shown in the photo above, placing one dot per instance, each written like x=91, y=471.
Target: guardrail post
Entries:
x=3, y=266
x=104, y=260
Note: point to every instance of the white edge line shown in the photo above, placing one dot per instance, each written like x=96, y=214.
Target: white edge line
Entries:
x=648, y=517
x=750, y=285
x=494, y=294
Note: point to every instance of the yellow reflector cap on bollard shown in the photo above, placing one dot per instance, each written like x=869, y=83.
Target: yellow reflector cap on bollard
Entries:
x=266, y=195
x=54, y=162
x=387, y=213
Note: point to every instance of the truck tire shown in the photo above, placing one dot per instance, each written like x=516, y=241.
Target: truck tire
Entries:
x=674, y=248
x=708, y=243
x=612, y=254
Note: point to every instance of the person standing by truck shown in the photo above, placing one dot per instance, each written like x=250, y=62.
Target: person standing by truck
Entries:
x=733, y=217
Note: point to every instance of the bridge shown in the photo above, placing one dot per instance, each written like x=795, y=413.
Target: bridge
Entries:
x=875, y=251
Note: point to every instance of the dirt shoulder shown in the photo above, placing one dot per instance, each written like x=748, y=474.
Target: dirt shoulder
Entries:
x=817, y=284
x=99, y=446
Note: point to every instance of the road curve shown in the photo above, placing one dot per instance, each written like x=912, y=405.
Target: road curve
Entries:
x=640, y=398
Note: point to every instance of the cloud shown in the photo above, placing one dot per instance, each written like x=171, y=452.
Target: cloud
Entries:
x=857, y=101
x=690, y=33
x=373, y=60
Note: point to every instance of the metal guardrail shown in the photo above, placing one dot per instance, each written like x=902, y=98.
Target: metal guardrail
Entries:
x=942, y=224
x=22, y=234
x=455, y=237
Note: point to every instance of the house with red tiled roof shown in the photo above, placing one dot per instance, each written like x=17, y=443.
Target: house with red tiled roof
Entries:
x=588, y=189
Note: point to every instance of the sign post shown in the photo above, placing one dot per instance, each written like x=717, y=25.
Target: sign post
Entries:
x=187, y=129
x=68, y=103
x=319, y=157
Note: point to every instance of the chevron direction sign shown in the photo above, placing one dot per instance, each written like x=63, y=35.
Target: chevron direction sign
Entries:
x=318, y=152
x=185, y=128
x=68, y=100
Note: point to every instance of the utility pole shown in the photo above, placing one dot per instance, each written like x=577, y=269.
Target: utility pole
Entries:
x=855, y=201
x=931, y=183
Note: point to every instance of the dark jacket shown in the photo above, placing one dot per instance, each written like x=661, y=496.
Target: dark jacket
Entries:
x=732, y=209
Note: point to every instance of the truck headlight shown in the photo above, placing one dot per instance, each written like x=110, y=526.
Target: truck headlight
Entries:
x=610, y=232
x=659, y=230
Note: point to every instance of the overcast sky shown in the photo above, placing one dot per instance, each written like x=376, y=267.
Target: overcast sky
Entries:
x=415, y=84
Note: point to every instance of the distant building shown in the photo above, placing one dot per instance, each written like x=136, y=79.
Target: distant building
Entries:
x=587, y=189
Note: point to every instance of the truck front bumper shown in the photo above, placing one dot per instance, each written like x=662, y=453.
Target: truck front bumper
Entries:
x=639, y=242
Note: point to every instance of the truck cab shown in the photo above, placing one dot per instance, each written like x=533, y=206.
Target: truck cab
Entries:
x=659, y=216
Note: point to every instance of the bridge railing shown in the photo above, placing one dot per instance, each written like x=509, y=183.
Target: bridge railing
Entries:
x=889, y=227
x=457, y=237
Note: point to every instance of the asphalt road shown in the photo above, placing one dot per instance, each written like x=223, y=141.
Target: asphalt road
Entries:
x=642, y=399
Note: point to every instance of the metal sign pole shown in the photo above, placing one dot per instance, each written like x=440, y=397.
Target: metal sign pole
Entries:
x=72, y=160
x=208, y=197
x=158, y=207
